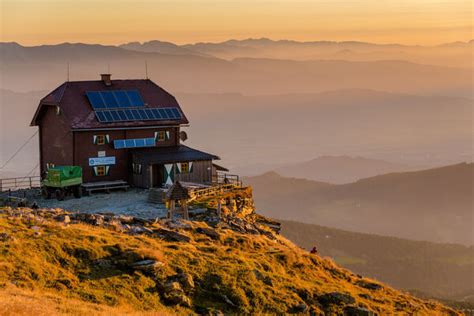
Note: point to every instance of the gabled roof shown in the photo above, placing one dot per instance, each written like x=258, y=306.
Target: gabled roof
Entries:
x=71, y=98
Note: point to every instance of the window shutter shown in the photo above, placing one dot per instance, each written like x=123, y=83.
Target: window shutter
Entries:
x=156, y=136
x=169, y=174
x=95, y=171
x=178, y=168
x=190, y=166
x=107, y=139
x=140, y=169
x=94, y=139
x=167, y=135
x=107, y=168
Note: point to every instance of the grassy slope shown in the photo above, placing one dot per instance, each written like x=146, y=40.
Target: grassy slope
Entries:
x=255, y=273
x=439, y=269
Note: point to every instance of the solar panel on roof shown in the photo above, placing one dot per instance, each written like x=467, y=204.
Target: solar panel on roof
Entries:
x=175, y=112
x=134, y=143
x=100, y=116
x=130, y=115
x=96, y=100
x=122, y=99
x=113, y=99
x=135, y=98
x=109, y=98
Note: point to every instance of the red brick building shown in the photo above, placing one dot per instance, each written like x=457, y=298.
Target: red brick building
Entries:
x=118, y=130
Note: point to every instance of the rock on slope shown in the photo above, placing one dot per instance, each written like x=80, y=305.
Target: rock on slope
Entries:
x=81, y=264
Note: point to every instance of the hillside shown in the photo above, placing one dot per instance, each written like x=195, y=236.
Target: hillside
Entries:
x=432, y=205
x=81, y=263
x=440, y=270
x=340, y=169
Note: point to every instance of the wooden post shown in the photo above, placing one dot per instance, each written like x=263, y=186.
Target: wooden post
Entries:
x=171, y=210
x=184, y=207
x=151, y=176
x=219, y=208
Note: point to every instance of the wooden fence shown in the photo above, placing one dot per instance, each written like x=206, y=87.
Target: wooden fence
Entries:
x=13, y=184
x=215, y=190
x=224, y=178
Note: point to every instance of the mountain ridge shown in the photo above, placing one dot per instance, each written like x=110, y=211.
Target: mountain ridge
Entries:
x=432, y=205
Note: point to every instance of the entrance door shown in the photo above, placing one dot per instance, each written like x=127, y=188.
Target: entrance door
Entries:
x=157, y=176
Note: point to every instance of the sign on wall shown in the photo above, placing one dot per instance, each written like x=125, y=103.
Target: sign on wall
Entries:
x=101, y=161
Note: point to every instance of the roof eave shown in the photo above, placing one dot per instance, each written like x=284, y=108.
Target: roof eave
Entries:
x=34, y=121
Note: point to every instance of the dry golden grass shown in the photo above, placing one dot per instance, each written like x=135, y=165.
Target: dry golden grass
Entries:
x=20, y=302
x=60, y=272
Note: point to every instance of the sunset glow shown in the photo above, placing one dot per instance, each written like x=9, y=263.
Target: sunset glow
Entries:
x=186, y=21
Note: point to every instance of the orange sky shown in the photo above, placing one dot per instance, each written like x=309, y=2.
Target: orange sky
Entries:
x=32, y=22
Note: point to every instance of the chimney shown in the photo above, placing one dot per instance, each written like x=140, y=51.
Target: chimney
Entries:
x=106, y=79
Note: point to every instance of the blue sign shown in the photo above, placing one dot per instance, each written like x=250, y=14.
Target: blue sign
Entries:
x=101, y=161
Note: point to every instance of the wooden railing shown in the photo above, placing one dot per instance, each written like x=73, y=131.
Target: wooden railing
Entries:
x=224, y=178
x=12, y=184
x=215, y=190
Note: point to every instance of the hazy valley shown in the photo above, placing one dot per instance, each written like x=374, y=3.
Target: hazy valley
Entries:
x=432, y=205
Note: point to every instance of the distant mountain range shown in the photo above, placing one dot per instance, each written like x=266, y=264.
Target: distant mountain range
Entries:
x=340, y=169
x=25, y=68
x=453, y=54
x=432, y=205
x=440, y=270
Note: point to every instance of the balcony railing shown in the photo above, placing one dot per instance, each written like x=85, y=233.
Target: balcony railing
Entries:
x=224, y=178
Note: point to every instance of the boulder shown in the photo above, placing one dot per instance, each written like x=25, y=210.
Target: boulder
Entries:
x=177, y=298
x=170, y=235
x=358, y=311
x=146, y=265
x=174, y=295
x=369, y=285
x=208, y=232
x=186, y=280
x=172, y=286
x=366, y=296
x=62, y=218
x=300, y=308
x=336, y=298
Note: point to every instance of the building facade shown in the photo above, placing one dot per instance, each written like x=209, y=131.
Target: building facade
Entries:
x=118, y=130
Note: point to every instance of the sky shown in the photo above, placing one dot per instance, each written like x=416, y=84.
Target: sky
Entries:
x=423, y=22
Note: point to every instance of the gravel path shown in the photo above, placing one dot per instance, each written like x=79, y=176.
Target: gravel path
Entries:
x=133, y=202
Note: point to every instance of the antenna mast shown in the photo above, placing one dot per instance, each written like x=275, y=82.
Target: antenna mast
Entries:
x=146, y=70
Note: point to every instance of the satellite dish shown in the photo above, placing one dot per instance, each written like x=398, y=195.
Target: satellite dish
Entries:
x=183, y=136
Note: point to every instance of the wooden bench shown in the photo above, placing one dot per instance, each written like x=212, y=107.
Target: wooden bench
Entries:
x=106, y=186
